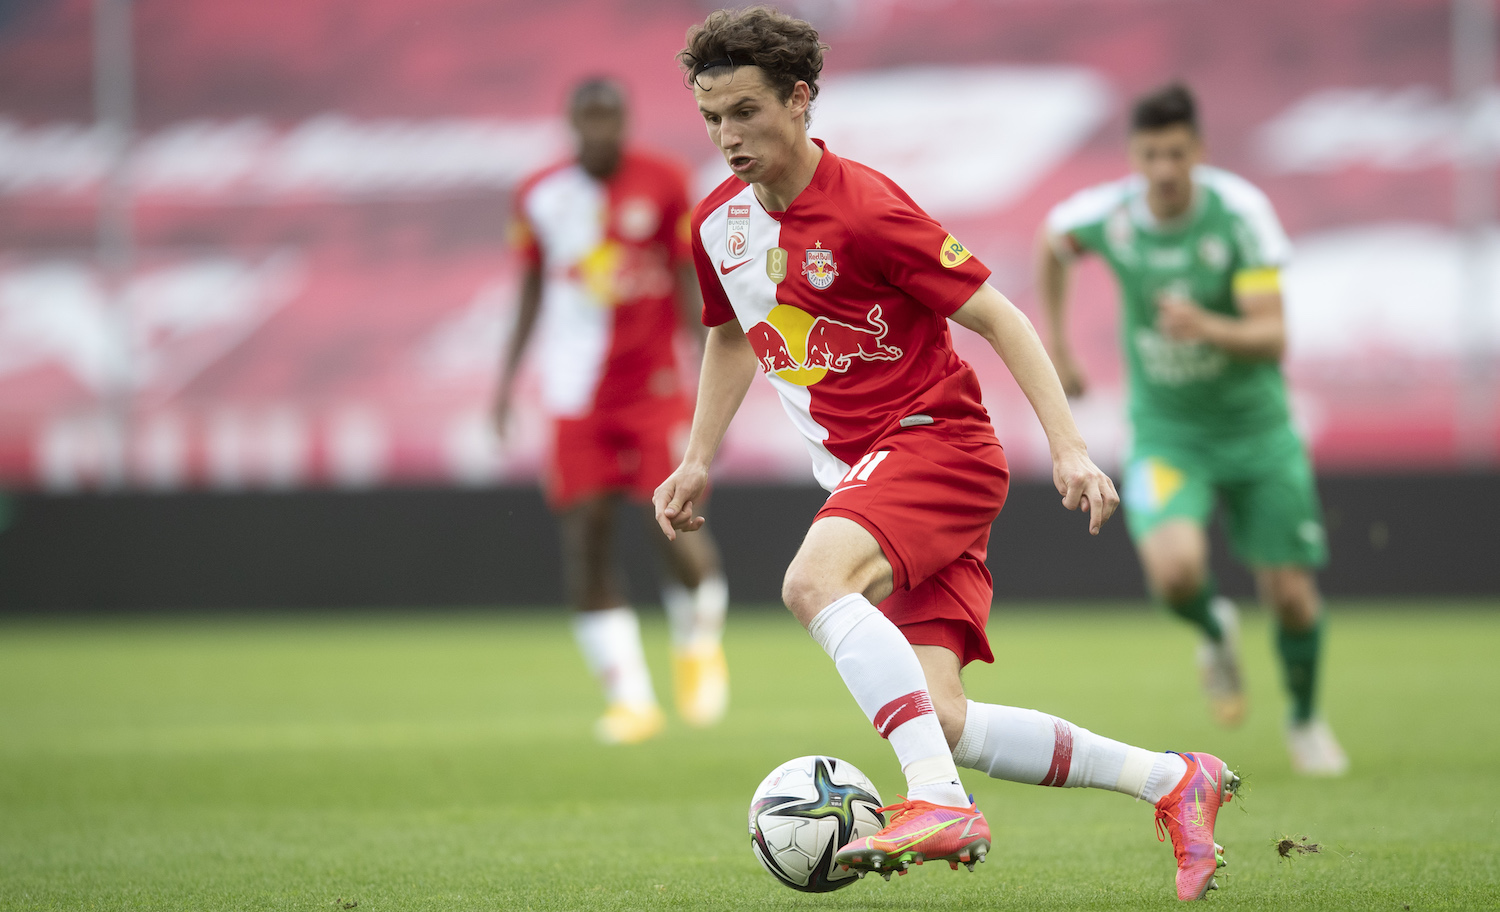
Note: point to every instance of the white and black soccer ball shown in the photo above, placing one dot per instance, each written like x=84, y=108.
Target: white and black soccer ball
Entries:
x=805, y=811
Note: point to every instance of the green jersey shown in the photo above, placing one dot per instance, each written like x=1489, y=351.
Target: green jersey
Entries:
x=1230, y=240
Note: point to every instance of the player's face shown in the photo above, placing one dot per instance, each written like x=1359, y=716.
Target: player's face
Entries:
x=1166, y=157
x=599, y=128
x=757, y=132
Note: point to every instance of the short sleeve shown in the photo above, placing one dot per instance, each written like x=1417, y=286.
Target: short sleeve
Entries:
x=1260, y=241
x=716, y=307
x=1075, y=226
x=919, y=256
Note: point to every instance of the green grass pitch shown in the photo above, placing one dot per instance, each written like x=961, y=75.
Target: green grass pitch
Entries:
x=444, y=762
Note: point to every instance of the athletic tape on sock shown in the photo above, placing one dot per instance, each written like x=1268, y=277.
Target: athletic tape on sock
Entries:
x=930, y=771
x=1135, y=772
x=969, y=751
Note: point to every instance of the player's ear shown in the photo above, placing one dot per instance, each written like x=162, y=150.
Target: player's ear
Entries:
x=800, y=99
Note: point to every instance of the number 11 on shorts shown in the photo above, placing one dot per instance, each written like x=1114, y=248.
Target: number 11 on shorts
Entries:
x=861, y=470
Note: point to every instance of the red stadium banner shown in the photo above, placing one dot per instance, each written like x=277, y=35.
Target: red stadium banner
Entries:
x=319, y=194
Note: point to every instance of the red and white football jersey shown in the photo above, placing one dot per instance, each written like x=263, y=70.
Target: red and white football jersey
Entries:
x=845, y=298
x=609, y=251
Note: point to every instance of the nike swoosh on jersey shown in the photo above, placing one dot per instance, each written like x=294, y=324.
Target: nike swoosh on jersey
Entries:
x=726, y=270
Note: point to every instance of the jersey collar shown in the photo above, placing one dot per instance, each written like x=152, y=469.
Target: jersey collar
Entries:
x=1143, y=217
x=822, y=174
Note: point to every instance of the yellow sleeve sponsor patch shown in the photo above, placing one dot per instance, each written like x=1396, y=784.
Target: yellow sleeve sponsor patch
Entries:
x=953, y=253
x=1265, y=280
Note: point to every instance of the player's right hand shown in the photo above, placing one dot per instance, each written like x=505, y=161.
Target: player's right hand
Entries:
x=675, y=498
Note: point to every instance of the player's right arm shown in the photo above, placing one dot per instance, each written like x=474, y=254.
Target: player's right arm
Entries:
x=729, y=366
x=1052, y=280
x=1073, y=227
x=528, y=306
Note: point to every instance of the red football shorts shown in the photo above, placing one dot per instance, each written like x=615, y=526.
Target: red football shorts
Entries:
x=929, y=502
x=630, y=450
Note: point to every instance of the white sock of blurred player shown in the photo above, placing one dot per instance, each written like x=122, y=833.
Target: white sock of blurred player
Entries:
x=611, y=644
x=1023, y=745
x=695, y=617
x=882, y=672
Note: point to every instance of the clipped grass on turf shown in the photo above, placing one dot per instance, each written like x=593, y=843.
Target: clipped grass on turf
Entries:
x=445, y=762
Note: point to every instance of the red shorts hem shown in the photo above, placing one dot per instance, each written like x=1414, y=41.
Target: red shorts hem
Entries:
x=958, y=637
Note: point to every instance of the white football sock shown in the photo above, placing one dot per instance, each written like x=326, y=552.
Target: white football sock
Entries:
x=696, y=617
x=882, y=672
x=611, y=644
x=1023, y=745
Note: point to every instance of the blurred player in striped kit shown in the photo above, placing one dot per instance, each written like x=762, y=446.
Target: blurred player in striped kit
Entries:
x=607, y=283
x=1197, y=253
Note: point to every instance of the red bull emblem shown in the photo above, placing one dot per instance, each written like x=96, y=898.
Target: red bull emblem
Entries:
x=799, y=348
x=819, y=267
x=739, y=232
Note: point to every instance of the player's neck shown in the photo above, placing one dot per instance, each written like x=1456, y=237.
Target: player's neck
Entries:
x=1168, y=212
x=777, y=194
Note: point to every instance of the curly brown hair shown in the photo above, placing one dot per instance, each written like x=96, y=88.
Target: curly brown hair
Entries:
x=787, y=50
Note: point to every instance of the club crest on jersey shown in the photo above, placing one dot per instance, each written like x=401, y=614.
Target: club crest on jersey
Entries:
x=738, y=240
x=819, y=266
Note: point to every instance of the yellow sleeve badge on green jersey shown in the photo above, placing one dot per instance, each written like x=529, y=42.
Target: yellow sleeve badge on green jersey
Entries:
x=1262, y=280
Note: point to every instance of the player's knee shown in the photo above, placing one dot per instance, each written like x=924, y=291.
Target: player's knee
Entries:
x=1178, y=581
x=1294, y=597
x=804, y=593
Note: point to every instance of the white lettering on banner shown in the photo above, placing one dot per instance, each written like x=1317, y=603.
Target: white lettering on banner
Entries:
x=250, y=158
x=1388, y=129
x=185, y=316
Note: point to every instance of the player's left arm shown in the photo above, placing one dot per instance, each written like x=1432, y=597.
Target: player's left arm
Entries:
x=1257, y=332
x=1083, y=485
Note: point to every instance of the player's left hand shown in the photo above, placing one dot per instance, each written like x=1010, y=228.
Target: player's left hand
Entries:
x=1085, y=487
x=1180, y=319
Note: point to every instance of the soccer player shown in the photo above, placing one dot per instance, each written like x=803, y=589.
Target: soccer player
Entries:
x=606, y=284
x=822, y=274
x=1197, y=253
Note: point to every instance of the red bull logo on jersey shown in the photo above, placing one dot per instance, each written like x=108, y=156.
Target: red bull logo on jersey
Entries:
x=819, y=267
x=799, y=348
x=738, y=240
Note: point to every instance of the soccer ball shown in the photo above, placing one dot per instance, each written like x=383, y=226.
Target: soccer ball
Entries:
x=805, y=811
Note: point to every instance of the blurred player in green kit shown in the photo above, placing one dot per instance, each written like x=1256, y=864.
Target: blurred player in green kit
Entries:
x=1197, y=253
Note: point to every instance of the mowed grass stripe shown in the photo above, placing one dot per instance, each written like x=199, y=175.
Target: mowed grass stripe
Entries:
x=445, y=762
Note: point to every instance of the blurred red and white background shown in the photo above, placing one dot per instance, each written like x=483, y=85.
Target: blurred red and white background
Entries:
x=316, y=282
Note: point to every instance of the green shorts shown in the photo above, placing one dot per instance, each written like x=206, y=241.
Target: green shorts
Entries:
x=1265, y=482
